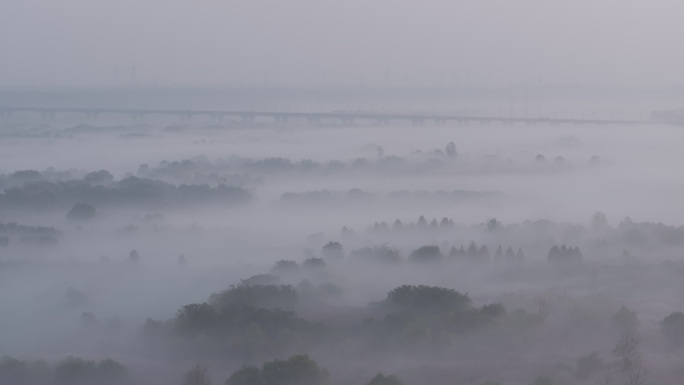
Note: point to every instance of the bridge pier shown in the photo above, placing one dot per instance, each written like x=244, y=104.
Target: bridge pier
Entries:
x=138, y=116
x=418, y=122
x=345, y=121
x=248, y=118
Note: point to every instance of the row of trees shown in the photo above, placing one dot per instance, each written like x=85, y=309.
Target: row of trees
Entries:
x=131, y=190
x=565, y=254
x=71, y=371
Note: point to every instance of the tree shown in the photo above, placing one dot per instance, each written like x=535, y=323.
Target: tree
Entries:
x=498, y=254
x=314, y=263
x=629, y=362
x=285, y=266
x=196, y=376
x=483, y=253
x=381, y=379
x=450, y=150
x=247, y=375
x=296, y=370
x=75, y=371
x=427, y=299
x=472, y=251
x=257, y=296
x=599, y=220
x=625, y=319
x=196, y=318
x=81, y=211
x=672, y=328
x=493, y=224
x=541, y=307
x=588, y=365
x=382, y=254
x=333, y=250
x=426, y=254
x=133, y=256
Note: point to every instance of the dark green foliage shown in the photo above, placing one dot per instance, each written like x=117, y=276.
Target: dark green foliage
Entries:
x=672, y=328
x=382, y=255
x=493, y=224
x=131, y=190
x=259, y=296
x=16, y=372
x=426, y=254
x=81, y=211
x=427, y=299
x=564, y=255
x=247, y=375
x=381, y=379
x=494, y=310
x=333, y=250
x=196, y=318
x=314, y=263
x=72, y=371
x=285, y=266
x=261, y=279
x=296, y=370
x=625, y=319
x=76, y=371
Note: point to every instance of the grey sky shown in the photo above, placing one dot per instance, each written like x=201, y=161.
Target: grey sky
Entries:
x=84, y=42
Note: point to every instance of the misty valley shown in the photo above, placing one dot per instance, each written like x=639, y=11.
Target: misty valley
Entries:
x=168, y=251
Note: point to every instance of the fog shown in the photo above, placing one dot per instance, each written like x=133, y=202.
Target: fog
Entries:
x=400, y=42
x=311, y=193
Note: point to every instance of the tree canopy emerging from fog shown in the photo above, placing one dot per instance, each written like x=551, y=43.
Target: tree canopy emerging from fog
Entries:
x=198, y=375
x=427, y=299
x=381, y=379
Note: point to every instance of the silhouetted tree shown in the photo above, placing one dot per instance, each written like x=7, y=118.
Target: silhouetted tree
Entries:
x=285, y=266
x=333, y=250
x=472, y=251
x=498, y=254
x=427, y=299
x=381, y=379
x=314, y=263
x=81, y=211
x=422, y=222
x=296, y=370
x=672, y=328
x=599, y=220
x=198, y=375
x=247, y=375
x=426, y=254
x=133, y=256
x=510, y=254
x=588, y=365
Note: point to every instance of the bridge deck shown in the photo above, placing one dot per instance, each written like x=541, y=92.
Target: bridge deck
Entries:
x=349, y=116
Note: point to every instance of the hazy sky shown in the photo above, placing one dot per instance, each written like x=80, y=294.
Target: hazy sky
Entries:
x=84, y=42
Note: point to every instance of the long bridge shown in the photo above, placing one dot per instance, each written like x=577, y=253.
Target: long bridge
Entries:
x=315, y=118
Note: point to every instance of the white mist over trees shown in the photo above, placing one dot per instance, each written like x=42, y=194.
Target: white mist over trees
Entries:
x=361, y=193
